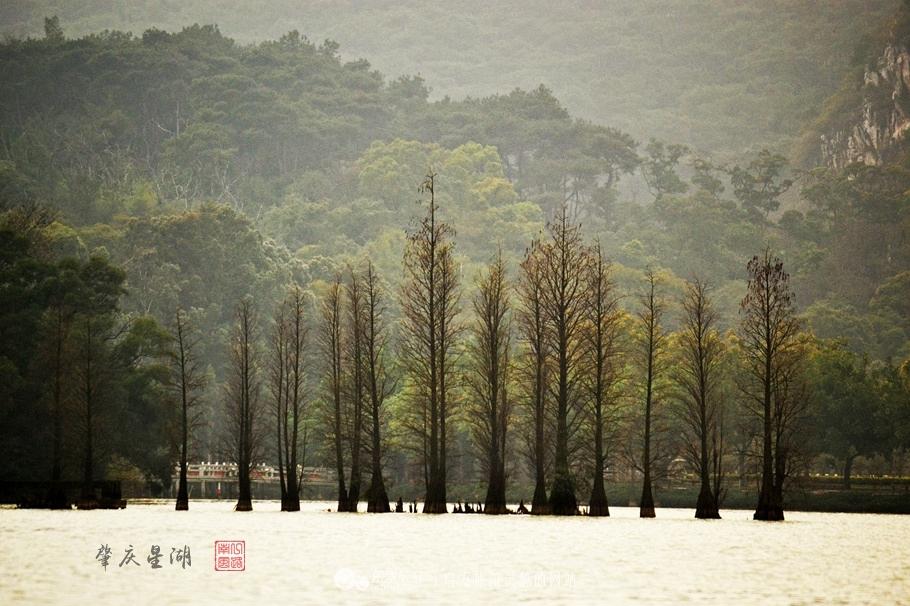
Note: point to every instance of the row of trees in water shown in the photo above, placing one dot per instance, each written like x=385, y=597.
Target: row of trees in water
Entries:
x=542, y=362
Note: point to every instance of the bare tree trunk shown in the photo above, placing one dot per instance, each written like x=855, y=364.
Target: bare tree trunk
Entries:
x=769, y=328
x=429, y=304
x=532, y=321
x=331, y=341
x=448, y=331
x=243, y=399
x=356, y=365
x=602, y=336
x=652, y=342
x=697, y=375
x=278, y=384
x=182, y=489
x=297, y=337
x=488, y=379
x=378, y=386
x=565, y=262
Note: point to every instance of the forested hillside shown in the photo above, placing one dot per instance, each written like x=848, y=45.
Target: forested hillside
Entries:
x=323, y=156
x=723, y=76
x=163, y=171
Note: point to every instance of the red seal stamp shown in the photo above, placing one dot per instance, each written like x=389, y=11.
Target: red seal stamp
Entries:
x=230, y=556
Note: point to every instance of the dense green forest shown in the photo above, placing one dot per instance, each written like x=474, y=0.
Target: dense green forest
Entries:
x=722, y=76
x=150, y=173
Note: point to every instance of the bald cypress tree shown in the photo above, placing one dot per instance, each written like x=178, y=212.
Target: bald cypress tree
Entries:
x=488, y=379
x=330, y=341
x=430, y=305
x=769, y=331
x=295, y=412
x=533, y=371
x=187, y=381
x=286, y=383
x=697, y=375
x=378, y=383
x=243, y=398
x=565, y=260
x=603, y=368
x=651, y=341
x=356, y=387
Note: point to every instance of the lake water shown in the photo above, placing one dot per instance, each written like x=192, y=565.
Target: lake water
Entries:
x=319, y=557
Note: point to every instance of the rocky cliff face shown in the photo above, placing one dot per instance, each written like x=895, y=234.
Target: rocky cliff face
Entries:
x=880, y=124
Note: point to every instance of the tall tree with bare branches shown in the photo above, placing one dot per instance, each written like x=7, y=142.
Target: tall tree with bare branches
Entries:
x=652, y=339
x=330, y=340
x=430, y=305
x=698, y=378
x=565, y=259
x=287, y=370
x=791, y=403
x=188, y=380
x=356, y=366
x=533, y=368
x=769, y=332
x=278, y=388
x=488, y=379
x=378, y=383
x=603, y=372
x=243, y=398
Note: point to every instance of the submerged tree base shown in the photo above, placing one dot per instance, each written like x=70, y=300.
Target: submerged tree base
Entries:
x=495, y=509
x=707, y=513
x=706, y=508
x=379, y=506
x=769, y=514
x=435, y=507
x=379, y=499
x=646, y=509
x=183, y=495
x=562, y=498
x=290, y=505
x=597, y=506
x=770, y=505
x=540, y=506
x=599, y=509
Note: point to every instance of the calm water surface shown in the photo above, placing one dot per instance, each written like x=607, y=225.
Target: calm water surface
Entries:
x=319, y=557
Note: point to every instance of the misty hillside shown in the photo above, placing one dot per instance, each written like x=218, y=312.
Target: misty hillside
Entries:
x=724, y=76
x=316, y=160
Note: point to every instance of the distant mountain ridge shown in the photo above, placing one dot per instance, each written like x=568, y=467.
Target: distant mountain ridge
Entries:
x=723, y=76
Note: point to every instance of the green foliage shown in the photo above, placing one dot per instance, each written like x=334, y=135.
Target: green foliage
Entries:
x=49, y=303
x=659, y=169
x=188, y=171
x=848, y=414
x=759, y=186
